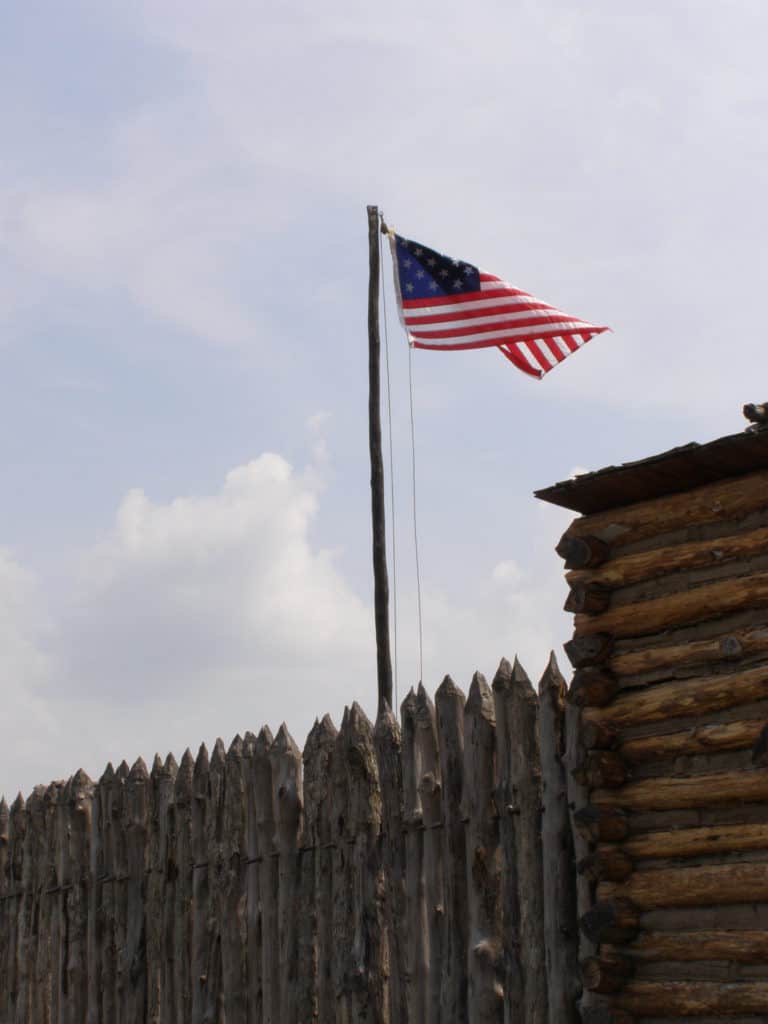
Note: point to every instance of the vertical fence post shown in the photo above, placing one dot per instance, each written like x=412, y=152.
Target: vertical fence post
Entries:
x=268, y=875
x=182, y=867
x=200, y=884
x=449, y=703
x=560, y=926
x=6, y=907
x=485, y=967
x=415, y=895
x=76, y=896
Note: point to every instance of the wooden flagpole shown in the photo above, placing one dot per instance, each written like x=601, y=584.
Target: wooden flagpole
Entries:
x=380, y=577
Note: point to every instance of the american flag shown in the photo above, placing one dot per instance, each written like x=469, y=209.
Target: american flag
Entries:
x=449, y=304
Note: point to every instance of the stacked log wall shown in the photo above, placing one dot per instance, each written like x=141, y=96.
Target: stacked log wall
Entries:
x=387, y=873
x=667, y=754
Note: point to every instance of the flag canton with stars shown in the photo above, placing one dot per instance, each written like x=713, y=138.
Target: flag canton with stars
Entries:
x=425, y=274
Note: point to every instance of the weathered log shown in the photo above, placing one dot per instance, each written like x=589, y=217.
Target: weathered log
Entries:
x=160, y=895
x=731, y=646
x=587, y=599
x=582, y=552
x=182, y=864
x=683, y=698
x=684, y=607
x=607, y=973
x=598, y=736
x=430, y=789
x=604, y=768
x=485, y=967
x=388, y=743
x=616, y=921
x=449, y=704
x=519, y=793
x=560, y=919
x=601, y=824
x=318, y=832
x=699, y=739
x=691, y=887
x=589, y=650
x=592, y=687
x=646, y=565
x=760, y=748
x=267, y=871
x=693, y=998
x=733, y=946
x=607, y=863
x=606, y=1015
x=659, y=794
x=729, y=499
x=79, y=801
x=697, y=842
x=214, y=860
x=417, y=929
x=285, y=760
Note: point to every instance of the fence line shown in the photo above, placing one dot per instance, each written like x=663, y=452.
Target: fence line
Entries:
x=388, y=873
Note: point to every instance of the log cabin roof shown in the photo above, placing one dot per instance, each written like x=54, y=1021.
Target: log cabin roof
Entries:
x=679, y=469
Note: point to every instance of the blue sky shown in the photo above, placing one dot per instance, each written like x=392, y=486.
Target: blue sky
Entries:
x=184, y=524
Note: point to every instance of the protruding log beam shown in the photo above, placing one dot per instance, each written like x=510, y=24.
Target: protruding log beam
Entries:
x=723, y=500
x=615, y=921
x=623, y=571
x=607, y=864
x=602, y=824
x=693, y=998
x=598, y=736
x=607, y=973
x=685, y=607
x=666, y=794
x=587, y=599
x=589, y=650
x=680, y=699
x=696, y=842
x=730, y=647
x=592, y=687
x=760, y=748
x=602, y=768
x=691, y=887
x=716, y=737
x=736, y=947
x=582, y=552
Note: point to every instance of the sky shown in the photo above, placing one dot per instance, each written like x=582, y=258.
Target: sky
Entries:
x=185, y=502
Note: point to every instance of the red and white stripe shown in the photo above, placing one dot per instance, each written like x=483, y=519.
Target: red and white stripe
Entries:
x=532, y=334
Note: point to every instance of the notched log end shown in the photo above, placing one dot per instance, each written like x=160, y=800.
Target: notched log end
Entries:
x=582, y=552
x=587, y=599
x=760, y=749
x=616, y=921
x=602, y=824
x=606, y=974
x=592, y=687
x=593, y=649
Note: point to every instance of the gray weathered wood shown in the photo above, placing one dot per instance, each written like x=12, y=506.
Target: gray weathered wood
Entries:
x=449, y=704
x=234, y=941
x=519, y=800
x=268, y=873
x=417, y=928
x=182, y=867
x=485, y=958
x=559, y=883
x=285, y=759
x=387, y=739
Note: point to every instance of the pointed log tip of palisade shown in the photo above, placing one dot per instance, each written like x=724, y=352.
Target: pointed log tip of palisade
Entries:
x=249, y=743
x=219, y=755
x=448, y=689
x=123, y=771
x=80, y=781
x=408, y=705
x=108, y=775
x=236, y=748
x=284, y=744
x=4, y=810
x=184, y=777
x=359, y=725
x=552, y=678
x=264, y=741
x=138, y=772
x=480, y=698
x=503, y=677
x=18, y=804
x=157, y=766
x=425, y=709
x=202, y=761
x=171, y=767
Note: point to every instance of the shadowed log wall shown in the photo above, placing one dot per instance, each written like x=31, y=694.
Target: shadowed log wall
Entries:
x=668, y=752
x=387, y=874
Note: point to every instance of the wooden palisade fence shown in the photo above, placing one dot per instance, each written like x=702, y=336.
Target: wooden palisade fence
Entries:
x=388, y=873
x=668, y=709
